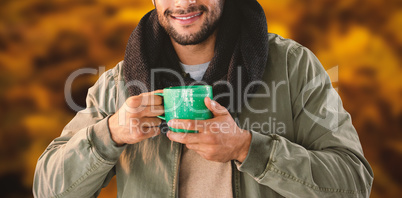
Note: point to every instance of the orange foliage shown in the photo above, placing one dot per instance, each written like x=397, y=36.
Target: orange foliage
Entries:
x=42, y=42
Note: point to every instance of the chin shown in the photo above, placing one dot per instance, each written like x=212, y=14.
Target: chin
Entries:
x=187, y=33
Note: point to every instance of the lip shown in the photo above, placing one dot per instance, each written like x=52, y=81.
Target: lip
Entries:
x=187, y=19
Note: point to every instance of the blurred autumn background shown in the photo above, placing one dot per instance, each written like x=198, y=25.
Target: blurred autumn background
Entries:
x=43, y=42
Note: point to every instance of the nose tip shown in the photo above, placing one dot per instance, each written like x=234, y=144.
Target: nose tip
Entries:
x=184, y=3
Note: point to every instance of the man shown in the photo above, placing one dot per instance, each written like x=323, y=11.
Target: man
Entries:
x=279, y=129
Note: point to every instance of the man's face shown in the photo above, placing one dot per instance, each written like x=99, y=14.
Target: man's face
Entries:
x=189, y=23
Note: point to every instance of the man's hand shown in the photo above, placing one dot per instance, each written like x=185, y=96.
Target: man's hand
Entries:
x=136, y=120
x=218, y=139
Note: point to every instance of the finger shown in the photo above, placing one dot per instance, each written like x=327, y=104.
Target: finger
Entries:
x=146, y=111
x=157, y=91
x=149, y=132
x=196, y=125
x=215, y=107
x=144, y=99
x=146, y=122
x=185, y=138
x=154, y=99
x=198, y=148
x=151, y=99
x=207, y=152
x=203, y=148
x=192, y=146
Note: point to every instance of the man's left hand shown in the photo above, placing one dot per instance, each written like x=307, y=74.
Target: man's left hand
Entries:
x=218, y=139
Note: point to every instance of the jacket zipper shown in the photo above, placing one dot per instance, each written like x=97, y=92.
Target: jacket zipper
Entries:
x=175, y=190
x=235, y=172
x=235, y=181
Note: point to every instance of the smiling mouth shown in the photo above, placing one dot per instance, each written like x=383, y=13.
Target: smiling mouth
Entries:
x=187, y=17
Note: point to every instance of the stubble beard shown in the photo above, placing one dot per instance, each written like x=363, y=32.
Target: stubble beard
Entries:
x=207, y=28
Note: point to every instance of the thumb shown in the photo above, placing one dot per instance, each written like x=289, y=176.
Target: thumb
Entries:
x=215, y=108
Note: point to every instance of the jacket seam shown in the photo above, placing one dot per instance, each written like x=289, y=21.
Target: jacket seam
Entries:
x=116, y=74
x=292, y=52
x=271, y=158
x=96, y=153
x=293, y=49
x=100, y=158
x=93, y=168
x=315, y=187
x=81, y=179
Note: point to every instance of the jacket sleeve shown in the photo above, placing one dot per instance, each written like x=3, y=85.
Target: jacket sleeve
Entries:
x=324, y=158
x=81, y=161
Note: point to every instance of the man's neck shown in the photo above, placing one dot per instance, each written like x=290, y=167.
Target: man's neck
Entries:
x=196, y=54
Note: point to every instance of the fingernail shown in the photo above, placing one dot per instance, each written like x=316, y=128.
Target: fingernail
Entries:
x=213, y=103
x=170, y=123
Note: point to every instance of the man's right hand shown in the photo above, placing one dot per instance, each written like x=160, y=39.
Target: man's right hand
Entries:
x=136, y=120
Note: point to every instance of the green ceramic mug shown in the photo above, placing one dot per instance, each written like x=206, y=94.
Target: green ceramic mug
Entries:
x=186, y=102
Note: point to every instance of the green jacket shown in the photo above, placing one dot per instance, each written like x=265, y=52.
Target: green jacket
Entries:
x=303, y=141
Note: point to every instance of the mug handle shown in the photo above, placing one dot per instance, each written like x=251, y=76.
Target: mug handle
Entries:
x=161, y=117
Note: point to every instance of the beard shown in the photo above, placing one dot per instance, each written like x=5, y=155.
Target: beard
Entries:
x=207, y=28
